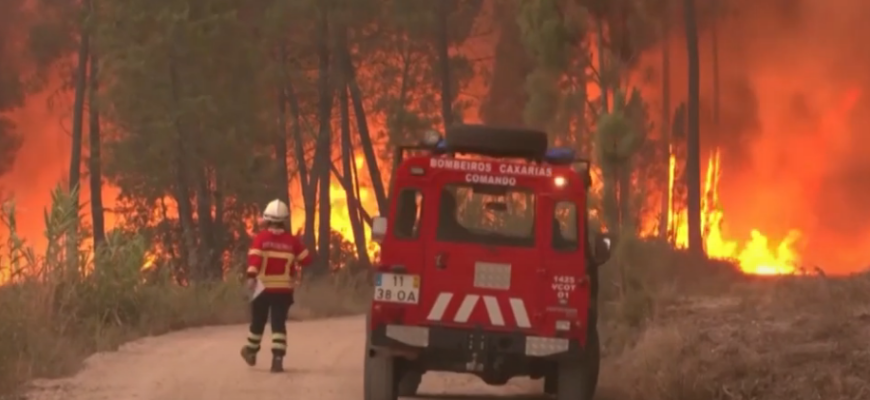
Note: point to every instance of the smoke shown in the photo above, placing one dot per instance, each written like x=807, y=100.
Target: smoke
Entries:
x=795, y=109
x=42, y=162
x=795, y=106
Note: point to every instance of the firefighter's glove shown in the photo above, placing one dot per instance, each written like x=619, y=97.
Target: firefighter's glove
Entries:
x=250, y=285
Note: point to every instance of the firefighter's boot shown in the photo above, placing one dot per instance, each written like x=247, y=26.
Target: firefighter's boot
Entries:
x=277, y=363
x=249, y=355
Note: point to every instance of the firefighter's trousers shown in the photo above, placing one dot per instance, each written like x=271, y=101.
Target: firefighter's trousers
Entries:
x=270, y=307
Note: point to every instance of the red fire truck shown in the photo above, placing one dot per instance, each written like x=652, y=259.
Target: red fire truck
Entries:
x=487, y=266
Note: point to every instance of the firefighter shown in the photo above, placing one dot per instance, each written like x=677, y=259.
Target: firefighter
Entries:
x=272, y=259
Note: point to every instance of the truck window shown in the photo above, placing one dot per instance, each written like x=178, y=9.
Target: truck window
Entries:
x=565, y=227
x=487, y=214
x=408, y=214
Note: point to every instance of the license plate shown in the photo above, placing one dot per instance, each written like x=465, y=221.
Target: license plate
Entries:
x=397, y=288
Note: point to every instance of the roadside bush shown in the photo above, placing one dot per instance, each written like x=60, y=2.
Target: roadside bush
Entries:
x=58, y=307
x=645, y=276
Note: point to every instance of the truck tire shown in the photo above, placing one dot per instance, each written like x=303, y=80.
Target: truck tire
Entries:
x=409, y=383
x=497, y=141
x=379, y=372
x=593, y=361
x=578, y=379
x=380, y=381
x=551, y=383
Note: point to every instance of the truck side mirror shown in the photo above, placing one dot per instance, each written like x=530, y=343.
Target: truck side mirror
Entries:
x=602, y=247
x=379, y=229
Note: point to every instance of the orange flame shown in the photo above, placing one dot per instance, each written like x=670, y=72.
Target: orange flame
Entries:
x=755, y=256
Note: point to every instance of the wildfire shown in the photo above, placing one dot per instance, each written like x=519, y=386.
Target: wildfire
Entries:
x=783, y=110
x=755, y=256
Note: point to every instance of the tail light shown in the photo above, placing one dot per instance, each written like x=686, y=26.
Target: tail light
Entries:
x=383, y=268
x=388, y=313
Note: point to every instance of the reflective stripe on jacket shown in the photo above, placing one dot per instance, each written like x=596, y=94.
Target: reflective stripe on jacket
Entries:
x=273, y=256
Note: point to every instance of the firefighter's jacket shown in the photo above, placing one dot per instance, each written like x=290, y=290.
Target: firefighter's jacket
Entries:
x=273, y=257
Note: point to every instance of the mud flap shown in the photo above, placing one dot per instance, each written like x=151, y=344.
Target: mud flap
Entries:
x=379, y=372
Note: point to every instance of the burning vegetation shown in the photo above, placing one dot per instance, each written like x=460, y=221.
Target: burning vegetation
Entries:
x=179, y=119
x=193, y=123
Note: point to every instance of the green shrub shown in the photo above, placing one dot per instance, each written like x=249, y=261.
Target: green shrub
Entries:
x=59, y=306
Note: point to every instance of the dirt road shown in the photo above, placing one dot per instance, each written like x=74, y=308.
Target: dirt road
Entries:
x=324, y=363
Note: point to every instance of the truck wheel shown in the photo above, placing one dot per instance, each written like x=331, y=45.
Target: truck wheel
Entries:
x=571, y=381
x=380, y=381
x=578, y=379
x=593, y=361
x=409, y=383
x=379, y=372
x=551, y=384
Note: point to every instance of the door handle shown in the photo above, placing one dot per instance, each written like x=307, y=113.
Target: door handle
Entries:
x=441, y=260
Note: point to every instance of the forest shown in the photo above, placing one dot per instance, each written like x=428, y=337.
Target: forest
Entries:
x=199, y=112
x=727, y=142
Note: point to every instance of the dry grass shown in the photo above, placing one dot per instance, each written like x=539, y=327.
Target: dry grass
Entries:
x=38, y=339
x=41, y=338
x=52, y=315
x=688, y=332
x=674, y=327
x=346, y=292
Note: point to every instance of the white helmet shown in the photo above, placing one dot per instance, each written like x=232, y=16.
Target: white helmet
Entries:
x=276, y=211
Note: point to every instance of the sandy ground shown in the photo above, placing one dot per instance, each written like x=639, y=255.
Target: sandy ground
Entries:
x=324, y=362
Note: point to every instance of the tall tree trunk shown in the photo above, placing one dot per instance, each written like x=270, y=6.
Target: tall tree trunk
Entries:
x=182, y=182
x=582, y=133
x=347, y=154
x=693, y=150
x=205, y=222
x=95, y=172
x=282, y=176
x=167, y=234
x=360, y=211
x=442, y=45
x=364, y=133
x=309, y=192
x=72, y=241
x=320, y=173
x=219, y=230
x=359, y=236
x=75, y=163
x=603, y=74
x=397, y=132
x=664, y=223
x=622, y=171
x=627, y=218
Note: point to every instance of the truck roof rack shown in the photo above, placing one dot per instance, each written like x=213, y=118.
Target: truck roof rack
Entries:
x=496, y=141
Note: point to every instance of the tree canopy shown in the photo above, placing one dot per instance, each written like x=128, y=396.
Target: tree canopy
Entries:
x=200, y=111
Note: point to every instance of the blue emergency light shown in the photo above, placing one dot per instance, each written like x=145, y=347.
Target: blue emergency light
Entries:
x=560, y=156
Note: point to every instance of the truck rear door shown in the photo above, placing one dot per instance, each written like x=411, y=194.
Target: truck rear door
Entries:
x=479, y=275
